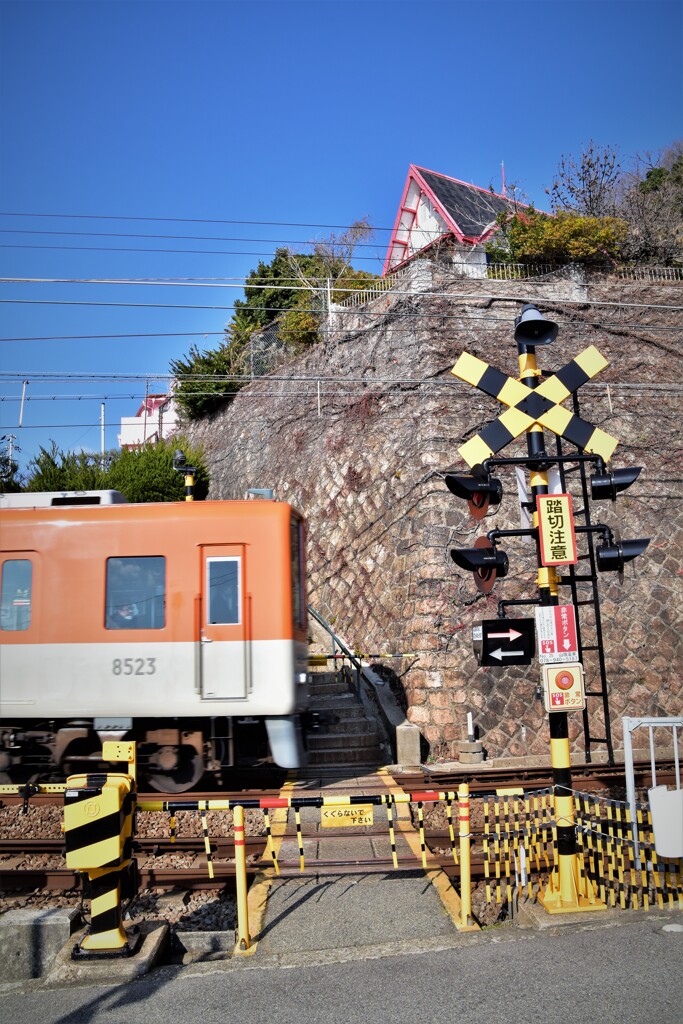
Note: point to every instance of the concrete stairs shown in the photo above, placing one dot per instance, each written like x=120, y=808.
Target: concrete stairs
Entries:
x=348, y=734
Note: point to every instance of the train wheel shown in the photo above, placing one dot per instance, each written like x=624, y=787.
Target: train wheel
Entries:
x=174, y=769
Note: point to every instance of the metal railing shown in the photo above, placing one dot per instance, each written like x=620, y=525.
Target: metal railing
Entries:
x=346, y=653
x=379, y=287
x=629, y=726
x=654, y=274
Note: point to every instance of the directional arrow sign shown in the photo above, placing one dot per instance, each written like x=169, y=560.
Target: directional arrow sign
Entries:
x=500, y=653
x=509, y=634
x=508, y=642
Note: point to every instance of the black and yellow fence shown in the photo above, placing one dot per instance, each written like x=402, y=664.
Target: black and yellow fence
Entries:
x=509, y=836
x=517, y=836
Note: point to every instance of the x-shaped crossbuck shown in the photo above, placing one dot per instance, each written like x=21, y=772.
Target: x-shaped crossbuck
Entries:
x=528, y=407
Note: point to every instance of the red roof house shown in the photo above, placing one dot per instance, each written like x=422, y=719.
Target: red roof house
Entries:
x=435, y=207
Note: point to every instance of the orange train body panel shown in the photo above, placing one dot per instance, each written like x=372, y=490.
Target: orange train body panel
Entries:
x=123, y=617
x=77, y=541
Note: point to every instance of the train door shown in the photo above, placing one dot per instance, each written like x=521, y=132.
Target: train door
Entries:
x=224, y=650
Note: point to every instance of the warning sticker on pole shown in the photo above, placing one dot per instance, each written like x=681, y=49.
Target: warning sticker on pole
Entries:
x=556, y=529
x=556, y=631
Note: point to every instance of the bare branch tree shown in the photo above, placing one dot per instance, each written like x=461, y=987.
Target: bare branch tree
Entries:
x=587, y=186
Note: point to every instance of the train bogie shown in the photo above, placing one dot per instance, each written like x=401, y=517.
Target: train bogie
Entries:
x=166, y=622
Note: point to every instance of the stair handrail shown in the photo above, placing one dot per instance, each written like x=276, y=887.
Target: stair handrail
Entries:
x=355, y=661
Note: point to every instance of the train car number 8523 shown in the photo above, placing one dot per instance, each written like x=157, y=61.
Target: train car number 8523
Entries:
x=134, y=666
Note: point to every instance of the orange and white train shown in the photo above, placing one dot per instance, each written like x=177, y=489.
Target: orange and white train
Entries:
x=174, y=624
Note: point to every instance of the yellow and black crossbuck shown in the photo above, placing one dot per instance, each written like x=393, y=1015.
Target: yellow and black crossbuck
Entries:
x=528, y=407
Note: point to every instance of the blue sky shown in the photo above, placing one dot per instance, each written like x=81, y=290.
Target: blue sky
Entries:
x=289, y=112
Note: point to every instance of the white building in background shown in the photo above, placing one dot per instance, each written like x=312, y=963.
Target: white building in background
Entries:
x=157, y=418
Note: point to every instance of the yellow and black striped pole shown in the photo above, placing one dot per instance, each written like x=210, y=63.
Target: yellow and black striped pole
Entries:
x=565, y=897
x=180, y=465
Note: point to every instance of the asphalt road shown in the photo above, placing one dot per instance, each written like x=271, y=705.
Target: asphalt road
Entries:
x=628, y=973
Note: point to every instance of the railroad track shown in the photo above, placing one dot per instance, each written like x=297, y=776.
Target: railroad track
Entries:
x=194, y=875
x=18, y=872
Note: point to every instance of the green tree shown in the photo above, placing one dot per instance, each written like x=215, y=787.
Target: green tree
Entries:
x=288, y=292
x=270, y=290
x=651, y=202
x=141, y=474
x=147, y=474
x=55, y=470
x=533, y=237
x=206, y=378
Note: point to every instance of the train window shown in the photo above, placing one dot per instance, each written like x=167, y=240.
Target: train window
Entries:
x=136, y=593
x=15, y=594
x=223, y=586
x=298, y=581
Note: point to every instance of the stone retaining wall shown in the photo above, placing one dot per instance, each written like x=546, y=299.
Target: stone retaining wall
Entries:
x=357, y=433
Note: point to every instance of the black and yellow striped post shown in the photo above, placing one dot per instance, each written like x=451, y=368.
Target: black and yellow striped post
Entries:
x=563, y=896
x=533, y=405
x=180, y=465
x=98, y=826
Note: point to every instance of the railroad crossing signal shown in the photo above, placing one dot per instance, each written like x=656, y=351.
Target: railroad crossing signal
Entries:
x=529, y=407
x=484, y=560
x=508, y=642
x=479, y=492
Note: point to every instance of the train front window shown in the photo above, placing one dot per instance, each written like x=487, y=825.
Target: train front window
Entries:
x=223, y=586
x=136, y=593
x=16, y=593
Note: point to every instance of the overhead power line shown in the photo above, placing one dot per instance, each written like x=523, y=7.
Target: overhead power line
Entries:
x=103, y=337
x=188, y=220
x=195, y=238
x=296, y=285
x=181, y=252
x=338, y=312
x=152, y=377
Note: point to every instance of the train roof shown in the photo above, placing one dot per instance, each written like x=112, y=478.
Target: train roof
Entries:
x=111, y=512
x=50, y=499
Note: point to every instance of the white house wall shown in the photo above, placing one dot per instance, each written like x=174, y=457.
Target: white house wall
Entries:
x=419, y=224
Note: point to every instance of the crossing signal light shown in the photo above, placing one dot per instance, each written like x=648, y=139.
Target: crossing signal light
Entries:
x=613, y=557
x=608, y=485
x=479, y=492
x=485, y=561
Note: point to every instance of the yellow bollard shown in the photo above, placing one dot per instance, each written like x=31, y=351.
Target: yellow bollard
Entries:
x=98, y=825
x=243, y=937
x=465, y=870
